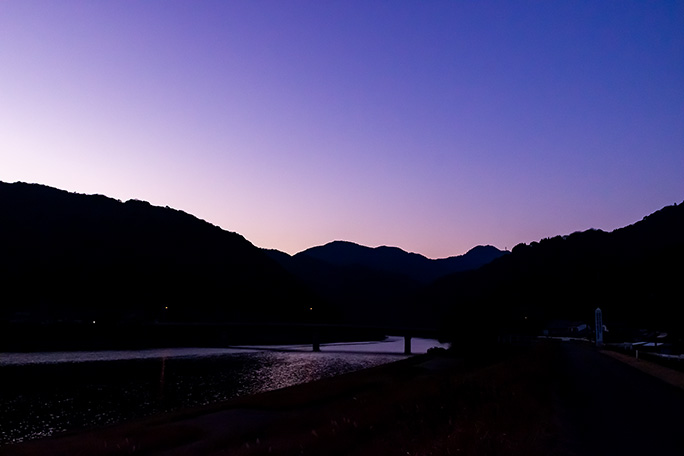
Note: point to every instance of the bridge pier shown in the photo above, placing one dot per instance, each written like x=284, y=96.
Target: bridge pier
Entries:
x=316, y=341
x=407, y=345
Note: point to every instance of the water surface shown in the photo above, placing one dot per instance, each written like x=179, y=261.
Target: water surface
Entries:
x=47, y=393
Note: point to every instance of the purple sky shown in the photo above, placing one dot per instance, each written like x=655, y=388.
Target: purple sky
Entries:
x=433, y=126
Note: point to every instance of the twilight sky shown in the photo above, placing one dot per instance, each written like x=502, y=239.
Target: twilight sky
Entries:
x=433, y=126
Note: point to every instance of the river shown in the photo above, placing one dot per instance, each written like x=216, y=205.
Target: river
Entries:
x=46, y=393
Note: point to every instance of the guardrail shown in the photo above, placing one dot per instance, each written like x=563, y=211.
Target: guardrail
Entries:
x=667, y=360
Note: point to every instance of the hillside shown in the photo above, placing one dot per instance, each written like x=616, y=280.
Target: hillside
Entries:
x=75, y=258
x=394, y=260
x=374, y=285
x=633, y=274
x=70, y=257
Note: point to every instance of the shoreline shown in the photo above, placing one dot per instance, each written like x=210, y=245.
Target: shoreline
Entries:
x=522, y=402
x=63, y=392
x=24, y=337
x=423, y=404
x=232, y=419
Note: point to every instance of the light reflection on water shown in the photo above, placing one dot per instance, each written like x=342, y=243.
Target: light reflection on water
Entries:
x=7, y=359
x=48, y=393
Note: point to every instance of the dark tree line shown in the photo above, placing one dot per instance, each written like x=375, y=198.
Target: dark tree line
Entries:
x=633, y=274
x=70, y=257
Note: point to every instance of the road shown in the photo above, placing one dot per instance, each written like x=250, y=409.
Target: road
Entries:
x=610, y=408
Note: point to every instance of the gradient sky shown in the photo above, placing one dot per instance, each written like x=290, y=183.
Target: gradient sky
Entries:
x=433, y=126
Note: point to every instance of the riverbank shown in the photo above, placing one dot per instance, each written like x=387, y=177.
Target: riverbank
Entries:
x=420, y=405
x=93, y=335
x=668, y=375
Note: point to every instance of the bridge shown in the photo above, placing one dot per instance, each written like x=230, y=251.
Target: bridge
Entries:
x=314, y=332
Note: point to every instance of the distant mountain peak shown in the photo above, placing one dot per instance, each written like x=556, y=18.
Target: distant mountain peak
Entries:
x=398, y=261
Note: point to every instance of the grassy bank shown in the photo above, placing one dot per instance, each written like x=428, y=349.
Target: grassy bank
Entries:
x=434, y=408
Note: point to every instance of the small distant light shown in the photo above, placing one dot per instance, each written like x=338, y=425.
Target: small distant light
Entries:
x=310, y=308
x=166, y=307
x=93, y=321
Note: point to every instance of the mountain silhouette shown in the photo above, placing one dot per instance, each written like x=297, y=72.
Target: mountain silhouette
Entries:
x=68, y=257
x=373, y=285
x=72, y=257
x=633, y=274
x=397, y=261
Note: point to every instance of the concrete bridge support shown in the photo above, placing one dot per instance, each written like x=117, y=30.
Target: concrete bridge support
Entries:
x=316, y=340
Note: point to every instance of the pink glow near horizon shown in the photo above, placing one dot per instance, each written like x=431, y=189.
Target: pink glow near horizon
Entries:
x=432, y=127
